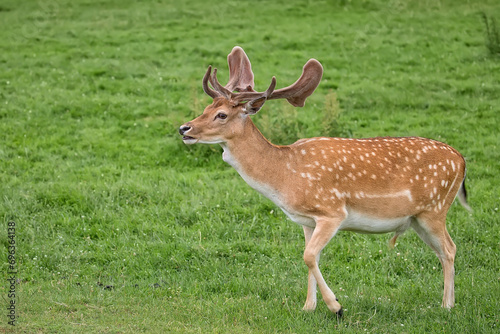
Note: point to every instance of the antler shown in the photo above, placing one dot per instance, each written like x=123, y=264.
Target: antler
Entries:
x=241, y=80
x=210, y=92
x=240, y=71
x=297, y=93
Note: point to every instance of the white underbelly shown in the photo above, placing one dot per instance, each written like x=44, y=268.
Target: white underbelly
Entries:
x=358, y=222
x=299, y=219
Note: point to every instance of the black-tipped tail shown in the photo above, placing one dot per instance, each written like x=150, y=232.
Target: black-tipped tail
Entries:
x=462, y=196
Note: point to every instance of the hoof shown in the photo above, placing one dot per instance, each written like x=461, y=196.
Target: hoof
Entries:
x=340, y=312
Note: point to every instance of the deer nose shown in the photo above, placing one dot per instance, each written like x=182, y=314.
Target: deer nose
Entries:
x=183, y=129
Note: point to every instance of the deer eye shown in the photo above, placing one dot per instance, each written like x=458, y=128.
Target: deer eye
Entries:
x=221, y=115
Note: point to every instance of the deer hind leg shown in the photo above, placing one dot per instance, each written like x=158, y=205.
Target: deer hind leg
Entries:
x=325, y=229
x=311, y=299
x=433, y=232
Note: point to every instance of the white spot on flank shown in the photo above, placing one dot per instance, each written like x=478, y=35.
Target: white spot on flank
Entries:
x=288, y=166
x=452, y=165
x=359, y=195
x=403, y=193
x=303, y=152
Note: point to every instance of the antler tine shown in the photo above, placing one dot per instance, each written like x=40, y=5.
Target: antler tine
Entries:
x=218, y=87
x=212, y=93
x=270, y=90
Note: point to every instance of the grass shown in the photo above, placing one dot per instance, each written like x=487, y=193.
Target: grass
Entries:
x=120, y=228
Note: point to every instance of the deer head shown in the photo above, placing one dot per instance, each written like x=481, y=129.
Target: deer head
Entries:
x=225, y=117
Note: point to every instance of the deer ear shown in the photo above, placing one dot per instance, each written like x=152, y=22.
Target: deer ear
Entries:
x=253, y=106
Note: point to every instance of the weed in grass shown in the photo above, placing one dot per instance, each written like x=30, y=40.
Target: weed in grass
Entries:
x=492, y=35
x=331, y=113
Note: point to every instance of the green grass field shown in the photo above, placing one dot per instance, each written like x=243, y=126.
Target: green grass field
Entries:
x=121, y=228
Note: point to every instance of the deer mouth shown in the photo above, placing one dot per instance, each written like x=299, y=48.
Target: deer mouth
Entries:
x=189, y=140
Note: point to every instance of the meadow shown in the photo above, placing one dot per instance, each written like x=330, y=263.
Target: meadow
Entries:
x=121, y=228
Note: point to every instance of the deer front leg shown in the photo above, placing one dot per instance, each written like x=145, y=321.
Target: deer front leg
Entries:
x=311, y=299
x=323, y=232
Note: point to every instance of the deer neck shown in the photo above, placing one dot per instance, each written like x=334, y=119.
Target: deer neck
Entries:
x=255, y=159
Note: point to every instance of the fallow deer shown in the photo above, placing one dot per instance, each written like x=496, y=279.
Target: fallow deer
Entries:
x=326, y=185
